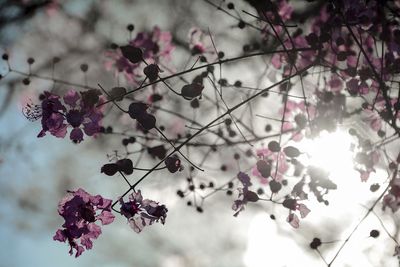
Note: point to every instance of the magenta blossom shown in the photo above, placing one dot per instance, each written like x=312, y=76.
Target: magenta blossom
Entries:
x=156, y=46
x=78, y=111
x=245, y=195
x=296, y=116
x=81, y=211
x=294, y=206
x=271, y=159
x=200, y=44
x=392, y=198
x=142, y=212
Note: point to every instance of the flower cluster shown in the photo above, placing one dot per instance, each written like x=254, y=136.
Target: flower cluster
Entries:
x=245, y=195
x=293, y=206
x=348, y=50
x=156, y=48
x=200, y=44
x=271, y=165
x=142, y=212
x=275, y=13
x=296, y=117
x=81, y=211
x=79, y=111
x=392, y=198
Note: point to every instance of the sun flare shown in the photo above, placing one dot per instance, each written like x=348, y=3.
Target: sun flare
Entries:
x=334, y=152
x=331, y=152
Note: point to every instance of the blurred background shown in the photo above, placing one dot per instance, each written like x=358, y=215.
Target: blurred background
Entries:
x=35, y=173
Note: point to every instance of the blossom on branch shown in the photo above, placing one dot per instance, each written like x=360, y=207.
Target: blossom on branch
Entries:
x=79, y=111
x=142, y=212
x=156, y=47
x=81, y=211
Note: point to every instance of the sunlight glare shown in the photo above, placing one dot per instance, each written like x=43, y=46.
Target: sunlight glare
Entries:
x=331, y=152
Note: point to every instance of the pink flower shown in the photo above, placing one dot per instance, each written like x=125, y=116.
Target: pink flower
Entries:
x=156, y=46
x=200, y=44
x=392, y=198
x=79, y=111
x=272, y=159
x=80, y=211
x=294, y=206
x=335, y=84
x=142, y=212
x=245, y=195
x=372, y=119
x=296, y=116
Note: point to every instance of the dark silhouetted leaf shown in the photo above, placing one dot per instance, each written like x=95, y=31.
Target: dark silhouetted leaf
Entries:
x=290, y=203
x=251, y=196
x=291, y=152
x=274, y=146
x=151, y=72
x=264, y=168
x=110, y=169
x=137, y=110
x=117, y=93
x=148, y=121
x=157, y=151
x=125, y=166
x=133, y=54
x=300, y=120
x=275, y=186
x=193, y=90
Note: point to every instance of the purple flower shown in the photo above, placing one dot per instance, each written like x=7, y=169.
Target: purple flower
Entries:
x=294, y=206
x=200, y=44
x=78, y=111
x=81, y=211
x=156, y=47
x=142, y=212
x=392, y=198
x=71, y=98
x=76, y=135
x=245, y=195
x=52, y=116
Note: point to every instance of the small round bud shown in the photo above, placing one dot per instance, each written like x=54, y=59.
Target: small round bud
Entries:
x=315, y=243
x=180, y=193
x=26, y=81
x=374, y=233
x=113, y=46
x=56, y=60
x=30, y=60
x=130, y=27
x=238, y=84
x=84, y=67
x=125, y=142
